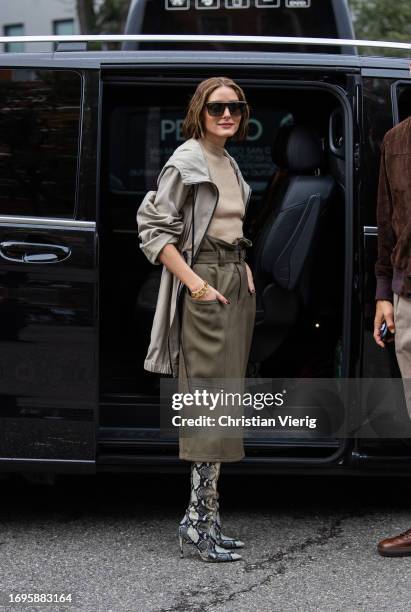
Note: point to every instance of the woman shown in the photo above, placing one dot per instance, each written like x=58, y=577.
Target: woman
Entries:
x=211, y=337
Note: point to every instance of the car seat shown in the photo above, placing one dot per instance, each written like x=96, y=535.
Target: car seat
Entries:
x=297, y=194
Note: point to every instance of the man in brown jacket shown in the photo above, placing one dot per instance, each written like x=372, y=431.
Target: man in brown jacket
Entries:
x=393, y=270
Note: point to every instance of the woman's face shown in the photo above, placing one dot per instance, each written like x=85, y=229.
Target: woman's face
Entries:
x=221, y=128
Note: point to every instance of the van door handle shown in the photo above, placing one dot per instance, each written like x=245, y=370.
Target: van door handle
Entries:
x=33, y=252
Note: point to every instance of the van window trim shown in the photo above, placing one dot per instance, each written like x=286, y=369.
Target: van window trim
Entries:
x=80, y=137
x=394, y=98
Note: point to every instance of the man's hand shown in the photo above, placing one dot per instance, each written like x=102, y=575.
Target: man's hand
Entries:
x=383, y=312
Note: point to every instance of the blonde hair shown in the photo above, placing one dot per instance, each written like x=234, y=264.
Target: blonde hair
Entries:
x=192, y=126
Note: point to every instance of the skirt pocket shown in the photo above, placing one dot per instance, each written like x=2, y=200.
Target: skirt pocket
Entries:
x=203, y=337
x=197, y=301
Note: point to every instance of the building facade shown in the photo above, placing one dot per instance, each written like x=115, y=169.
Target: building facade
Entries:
x=36, y=18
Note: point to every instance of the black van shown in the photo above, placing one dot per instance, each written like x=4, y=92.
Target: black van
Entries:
x=83, y=136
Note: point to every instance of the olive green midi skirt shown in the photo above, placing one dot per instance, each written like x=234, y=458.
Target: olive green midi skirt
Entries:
x=215, y=342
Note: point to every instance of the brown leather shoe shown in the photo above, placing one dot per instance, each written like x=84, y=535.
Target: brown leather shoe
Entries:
x=397, y=546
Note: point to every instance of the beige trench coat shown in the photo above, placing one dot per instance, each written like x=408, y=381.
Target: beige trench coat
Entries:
x=164, y=217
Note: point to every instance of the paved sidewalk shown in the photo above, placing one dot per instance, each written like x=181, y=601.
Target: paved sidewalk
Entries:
x=111, y=541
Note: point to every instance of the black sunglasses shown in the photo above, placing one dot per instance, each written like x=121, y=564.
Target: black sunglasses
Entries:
x=216, y=109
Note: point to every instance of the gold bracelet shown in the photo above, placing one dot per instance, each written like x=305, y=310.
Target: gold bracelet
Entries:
x=199, y=292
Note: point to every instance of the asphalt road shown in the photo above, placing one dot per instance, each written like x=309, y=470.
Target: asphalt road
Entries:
x=111, y=542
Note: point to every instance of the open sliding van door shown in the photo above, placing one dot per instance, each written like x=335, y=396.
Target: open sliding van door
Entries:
x=48, y=267
x=312, y=338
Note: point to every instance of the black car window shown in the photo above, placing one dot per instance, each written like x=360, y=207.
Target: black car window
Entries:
x=39, y=132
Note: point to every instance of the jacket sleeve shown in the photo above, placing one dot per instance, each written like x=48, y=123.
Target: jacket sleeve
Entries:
x=386, y=236
x=159, y=217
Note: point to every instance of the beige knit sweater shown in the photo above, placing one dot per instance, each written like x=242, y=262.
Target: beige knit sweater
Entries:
x=227, y=221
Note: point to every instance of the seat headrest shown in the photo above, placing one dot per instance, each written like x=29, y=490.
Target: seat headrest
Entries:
x=297, y=148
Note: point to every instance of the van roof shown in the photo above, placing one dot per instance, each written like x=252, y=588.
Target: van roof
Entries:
x=73, y=51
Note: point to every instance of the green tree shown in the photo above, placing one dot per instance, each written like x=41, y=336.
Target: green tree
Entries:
x=102, y=16
x=382, y=20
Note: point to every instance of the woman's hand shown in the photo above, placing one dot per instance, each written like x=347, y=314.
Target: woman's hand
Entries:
x=173, y=260
x=213, y=294
x=250, y=279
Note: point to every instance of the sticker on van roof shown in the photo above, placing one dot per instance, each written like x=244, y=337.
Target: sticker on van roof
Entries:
x=297, y=3
x=177, y=5
x=181, y=5
x=267, y=3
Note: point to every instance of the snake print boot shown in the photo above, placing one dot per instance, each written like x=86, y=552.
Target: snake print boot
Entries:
x=197, y=524
x=220, y=538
